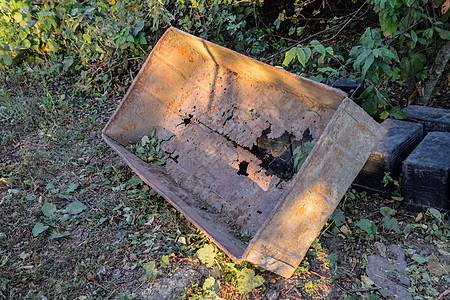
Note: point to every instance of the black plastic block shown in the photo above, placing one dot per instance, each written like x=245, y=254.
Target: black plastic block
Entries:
x=400, y=140
x=426, y=173
x=433, y=119
x=349, y=86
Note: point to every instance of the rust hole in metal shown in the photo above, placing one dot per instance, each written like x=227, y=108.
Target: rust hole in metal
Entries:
x=243, y=165
x=187, y=121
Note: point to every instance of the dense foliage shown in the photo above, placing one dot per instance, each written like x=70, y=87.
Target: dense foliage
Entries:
x=102, y=38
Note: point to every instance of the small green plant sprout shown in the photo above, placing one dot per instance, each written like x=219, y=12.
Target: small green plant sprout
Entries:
x=368, y=227
x=207, y=255
x=151, y=272
x=300, y=154
x=247, y=280
x=148, y=149
x=390, y=223
x=387, y=179
x=211, y=288
x=126, y=296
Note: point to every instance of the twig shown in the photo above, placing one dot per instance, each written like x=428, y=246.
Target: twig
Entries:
x=401, y=33
x=345, y=290
x=299, y=42
x=443, y=294
x=346, y=23
x=316, y=34
x=110, y=295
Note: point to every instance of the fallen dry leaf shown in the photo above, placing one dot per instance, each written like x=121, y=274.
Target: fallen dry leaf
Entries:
x=445, y=7
x=345, y=230
x=434, y=267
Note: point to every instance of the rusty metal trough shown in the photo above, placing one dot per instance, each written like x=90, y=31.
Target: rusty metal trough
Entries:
x=227, y=125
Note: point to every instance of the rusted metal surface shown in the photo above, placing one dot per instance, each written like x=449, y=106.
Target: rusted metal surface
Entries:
x=228, y=125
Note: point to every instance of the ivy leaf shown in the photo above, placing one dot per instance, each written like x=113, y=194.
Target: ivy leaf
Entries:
x=38, y=229
x=391, y=223
x=387, y=211
x=165, y=261
x=150, y=271
x=207, y=254
x=211, y=285
x=75, y=208
x=367, y=226
x=7, y=59
x=71, y=188
x=48, y=209
x=247, y=281
x=338, y=217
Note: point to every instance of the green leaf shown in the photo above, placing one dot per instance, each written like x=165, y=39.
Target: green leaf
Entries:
x=367, y=63
x=418, y=258
x=207, y=254
x=247, y=281
x=416, y=61
x=64, y=196
x=24, y=8
x=384, y=115
x=71, y=188
x=165, y=261
x=211, y=285
x=338, y=217
x=413, y=36
x=150, y=271
x=289, y=56
x=319, y=47
x=307, y=53
x=100, y=50
x=7, y=59
x=38, y=229
x=361, y=57
x=397, y=113
x=369, y=106
x=138, y=26
x=435, y=213
x=48, y=209
x=301, y=56
x=367, y=226
x=52, y=45
x=87, y=38
x=444, y=34
x=75, y=207
x=387, y=211
x=67, y=62
x=57, y=235
x=26, y=43
x=390, y=223
x=329, y=50
x=300, y=154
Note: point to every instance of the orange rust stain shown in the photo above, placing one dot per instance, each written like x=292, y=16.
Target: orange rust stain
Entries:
x=132, y=127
